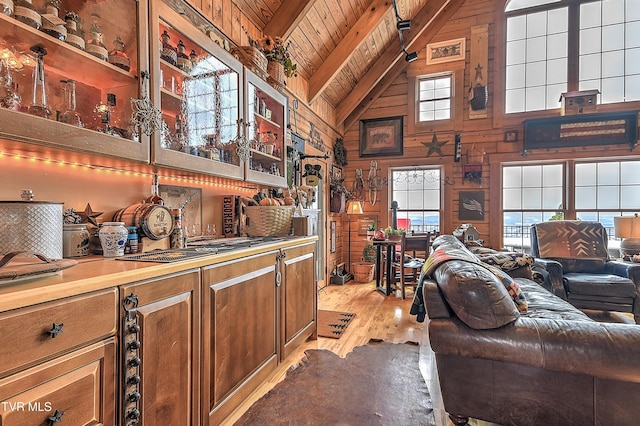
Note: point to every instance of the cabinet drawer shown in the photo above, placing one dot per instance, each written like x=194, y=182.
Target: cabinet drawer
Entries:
x=80, y=386
x=28, y=337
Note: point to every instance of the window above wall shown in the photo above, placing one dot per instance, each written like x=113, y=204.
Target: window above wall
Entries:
x=555, y=46
x=434, y=97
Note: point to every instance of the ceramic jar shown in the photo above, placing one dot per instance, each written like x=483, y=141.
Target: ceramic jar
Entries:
x=75, y=240
x=113, y=238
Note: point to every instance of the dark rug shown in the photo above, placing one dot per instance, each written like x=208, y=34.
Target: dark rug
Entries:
x=332, y=323
x=376, y=384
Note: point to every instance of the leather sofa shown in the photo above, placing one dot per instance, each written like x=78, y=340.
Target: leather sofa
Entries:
x=548, y=365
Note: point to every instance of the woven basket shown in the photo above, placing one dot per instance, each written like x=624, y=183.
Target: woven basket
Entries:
x=252, y=58
x=363, y=272
x=276, y=72
x=265, y=221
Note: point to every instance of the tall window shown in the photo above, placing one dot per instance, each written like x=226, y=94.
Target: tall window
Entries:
x=530, y=194
x=417, y=192
x=536, y=193
x=434, y=98
x=544, y=36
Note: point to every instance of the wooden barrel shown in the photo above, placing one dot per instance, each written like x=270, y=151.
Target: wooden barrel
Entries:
x=153, y=221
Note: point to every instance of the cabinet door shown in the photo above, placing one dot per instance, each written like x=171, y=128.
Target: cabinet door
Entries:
x=165, y=379
x=266, y=117
x=79, y=388
x=103, y=85
x=298, y=297
x=239, y=331
x=198, y=87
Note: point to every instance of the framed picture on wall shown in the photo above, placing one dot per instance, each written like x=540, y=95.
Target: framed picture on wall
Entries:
x=471, y=205
x=381, y=137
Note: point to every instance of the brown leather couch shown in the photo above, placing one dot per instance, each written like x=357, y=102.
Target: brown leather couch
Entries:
x=550, y=365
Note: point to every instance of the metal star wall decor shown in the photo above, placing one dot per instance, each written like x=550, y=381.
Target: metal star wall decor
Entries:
x=145, y=115
x=435, y=146
x=88, y=215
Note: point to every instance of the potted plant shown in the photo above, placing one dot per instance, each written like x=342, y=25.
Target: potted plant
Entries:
x=394, y=234
x=363, y=272
x=277, y=52
x=371, y=230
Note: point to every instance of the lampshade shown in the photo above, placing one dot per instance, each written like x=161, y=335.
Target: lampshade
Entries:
x=628, y=228
x=354, y=207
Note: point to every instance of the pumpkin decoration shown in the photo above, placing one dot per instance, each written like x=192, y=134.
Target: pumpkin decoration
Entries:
x=269, y=202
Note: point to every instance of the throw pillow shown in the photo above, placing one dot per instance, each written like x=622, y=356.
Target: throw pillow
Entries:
x=512, y=288
x=507, y=261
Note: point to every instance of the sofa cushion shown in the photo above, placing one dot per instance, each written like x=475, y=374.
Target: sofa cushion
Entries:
x=475, y=294
x=543, y=304
x=517, y=265
x=599, y=285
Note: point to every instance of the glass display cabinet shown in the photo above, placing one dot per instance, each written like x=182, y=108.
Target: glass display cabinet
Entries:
x=266, y=114
x=198, y=87
x=68, y=70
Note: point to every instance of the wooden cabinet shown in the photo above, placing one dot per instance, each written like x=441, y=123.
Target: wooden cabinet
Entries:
x=240, y=335
x=78, y=388
x=255, y=312
x=160, y=357
x=298, y=297
x=102, y=89
x=266, y=112
x=60, y=356
x=198, y=86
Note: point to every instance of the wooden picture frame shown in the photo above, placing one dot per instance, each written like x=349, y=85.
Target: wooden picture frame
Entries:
x=381, y=137
x=471, y=206
x=445, y=51
x=336, y=173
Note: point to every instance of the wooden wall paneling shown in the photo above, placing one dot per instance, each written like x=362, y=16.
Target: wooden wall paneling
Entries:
x=236, y=23
x=217, y=14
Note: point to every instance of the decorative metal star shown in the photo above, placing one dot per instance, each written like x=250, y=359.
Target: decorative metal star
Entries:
x=435, y=146
x=89, y=216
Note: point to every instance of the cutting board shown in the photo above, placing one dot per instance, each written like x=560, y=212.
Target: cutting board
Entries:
x=20, y=265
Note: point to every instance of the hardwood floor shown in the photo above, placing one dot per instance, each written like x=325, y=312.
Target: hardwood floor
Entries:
x=377, y=317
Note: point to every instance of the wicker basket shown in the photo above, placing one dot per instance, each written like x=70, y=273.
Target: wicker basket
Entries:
x=276, y=75
x=252, y=58
x=265, y=221
x=363, y=272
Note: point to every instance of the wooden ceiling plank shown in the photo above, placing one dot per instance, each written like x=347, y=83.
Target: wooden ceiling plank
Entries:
x=343, y=52
x=427, y=22
x=287, y=17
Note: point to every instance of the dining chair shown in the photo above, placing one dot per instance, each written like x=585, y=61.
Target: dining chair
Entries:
x=414, y=249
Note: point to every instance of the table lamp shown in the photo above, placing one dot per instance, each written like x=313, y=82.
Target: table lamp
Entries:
x=353, y=208
x=628, y=228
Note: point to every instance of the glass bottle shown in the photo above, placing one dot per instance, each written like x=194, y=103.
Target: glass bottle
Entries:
x=193, y=57
x=70, y=115
x=117, y=56
x=74, y=35
x=6, y=7
x=94, y=44
x=103, y=113
x=25, y=12
x=169, y=53
x=39, y=105
x=9, y=96
x=155, y=197
x=51, y=22
x=184, y=63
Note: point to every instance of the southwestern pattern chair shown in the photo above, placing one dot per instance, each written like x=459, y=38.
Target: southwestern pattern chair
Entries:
x=575, y=255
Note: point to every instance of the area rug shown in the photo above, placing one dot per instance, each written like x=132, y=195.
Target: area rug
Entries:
x=375, y=384
x=333, y=323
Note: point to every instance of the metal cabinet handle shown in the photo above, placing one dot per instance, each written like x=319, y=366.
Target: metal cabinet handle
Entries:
x=55, y=330
x=55, y=418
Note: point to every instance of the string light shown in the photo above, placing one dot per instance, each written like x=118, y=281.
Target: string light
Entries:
x=75, y=165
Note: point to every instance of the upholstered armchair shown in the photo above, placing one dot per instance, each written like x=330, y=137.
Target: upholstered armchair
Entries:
x=575, y=255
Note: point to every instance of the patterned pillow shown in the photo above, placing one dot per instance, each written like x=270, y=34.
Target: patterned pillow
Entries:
x=507, y=261
x=512, y=288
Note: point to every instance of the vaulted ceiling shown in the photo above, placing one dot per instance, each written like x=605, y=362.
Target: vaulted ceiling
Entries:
x=349, y=50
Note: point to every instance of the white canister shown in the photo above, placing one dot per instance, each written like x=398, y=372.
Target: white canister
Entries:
x=75, y=240
x=32, y=226
x=113, y=238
